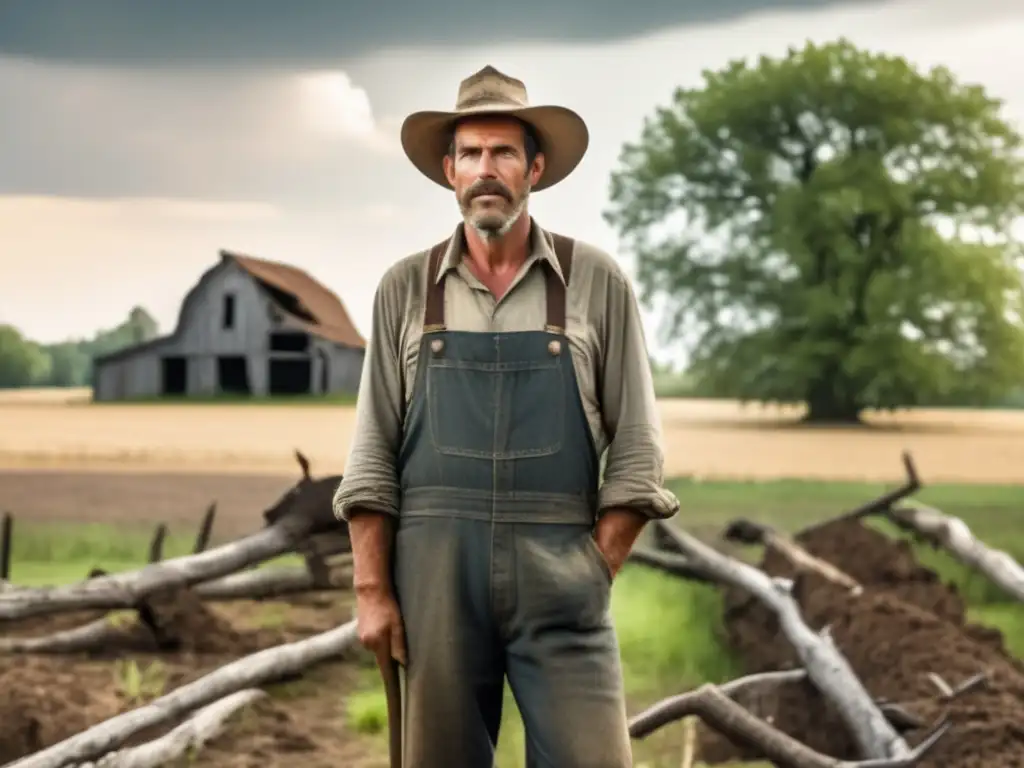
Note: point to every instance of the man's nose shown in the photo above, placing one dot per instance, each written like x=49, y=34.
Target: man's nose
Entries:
x=488, y=168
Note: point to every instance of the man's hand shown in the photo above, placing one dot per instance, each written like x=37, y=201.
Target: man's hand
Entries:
x=615, y=534
x=379, y=622
x=378, y=617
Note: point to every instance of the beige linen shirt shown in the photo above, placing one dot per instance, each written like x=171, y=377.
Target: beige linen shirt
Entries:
x=609, y=356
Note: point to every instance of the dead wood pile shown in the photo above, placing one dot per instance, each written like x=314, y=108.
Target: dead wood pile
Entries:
x=857, y=656
x=903, y=632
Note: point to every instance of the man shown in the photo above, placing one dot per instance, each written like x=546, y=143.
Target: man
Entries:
x=502, y=363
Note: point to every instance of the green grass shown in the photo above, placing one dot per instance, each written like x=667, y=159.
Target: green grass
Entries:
x=668, y=629
x=58, y=553
x=995, y=514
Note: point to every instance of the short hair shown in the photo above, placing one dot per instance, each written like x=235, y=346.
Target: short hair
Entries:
x=531, y=143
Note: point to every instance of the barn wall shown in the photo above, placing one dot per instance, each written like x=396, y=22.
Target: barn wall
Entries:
x=345, y=367
x=201, y=330
x=131, y=376
x=201, y=339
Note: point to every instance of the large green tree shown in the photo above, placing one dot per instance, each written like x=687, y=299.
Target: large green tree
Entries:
x=832, y=228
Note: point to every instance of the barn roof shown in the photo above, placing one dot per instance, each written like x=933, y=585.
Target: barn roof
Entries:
x=310, y=303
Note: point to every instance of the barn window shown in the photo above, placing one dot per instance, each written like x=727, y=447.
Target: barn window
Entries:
x=228, y=315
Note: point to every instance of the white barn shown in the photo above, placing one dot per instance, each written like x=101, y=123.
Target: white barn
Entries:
x=248, y=327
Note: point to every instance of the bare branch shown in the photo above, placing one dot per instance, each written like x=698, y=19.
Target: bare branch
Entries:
x=204, y=726
x=677, y=707
x=156, y=545
x=263, y=583
x=126, y=590
x=953, y=535
x=96, y=634
x=676, y=565
x=825, y=665
x=205, y=529
x=250, y=671
x=875, y=506
x=5, y=547
x=730, y=719
x=749, y=532
x=948, y=693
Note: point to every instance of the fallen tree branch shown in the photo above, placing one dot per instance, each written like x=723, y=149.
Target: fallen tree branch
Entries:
x=749, y=532
x=953, y=535
x=827, y=668
x=303, y=511
x=262, y=583
x=676, y=708
x=727, y=717
x=948, y=693
x=675, y=565
x=187, y=738
x=251, y=671
x=257, y=584
x=875, y=506
x=96, y=634
x=127, y=589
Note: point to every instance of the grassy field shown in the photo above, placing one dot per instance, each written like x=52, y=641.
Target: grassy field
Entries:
x=668, y=628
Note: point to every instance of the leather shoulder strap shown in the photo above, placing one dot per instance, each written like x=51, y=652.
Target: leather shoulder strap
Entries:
x=433, y=316
x=563, y=252
x=556, y=289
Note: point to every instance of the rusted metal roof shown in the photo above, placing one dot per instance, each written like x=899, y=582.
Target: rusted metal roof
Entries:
x=318, y=310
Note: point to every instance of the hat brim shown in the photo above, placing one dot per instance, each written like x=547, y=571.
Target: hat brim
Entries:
x=562, y=134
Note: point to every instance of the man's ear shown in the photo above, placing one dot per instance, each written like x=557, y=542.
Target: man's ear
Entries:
x=449, y=169
x=537, y=169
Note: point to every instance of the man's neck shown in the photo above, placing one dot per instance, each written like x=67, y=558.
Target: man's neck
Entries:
x=500, y=254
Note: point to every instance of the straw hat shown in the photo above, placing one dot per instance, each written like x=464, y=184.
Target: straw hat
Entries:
x=561, y=133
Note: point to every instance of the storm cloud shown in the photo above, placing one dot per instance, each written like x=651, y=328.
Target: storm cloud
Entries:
x=321, y=32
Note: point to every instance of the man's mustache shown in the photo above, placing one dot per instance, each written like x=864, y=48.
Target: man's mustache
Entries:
x=488, y=187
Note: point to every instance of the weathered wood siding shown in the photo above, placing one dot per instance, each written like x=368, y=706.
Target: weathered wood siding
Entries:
x=131, y=377
x=201, y=338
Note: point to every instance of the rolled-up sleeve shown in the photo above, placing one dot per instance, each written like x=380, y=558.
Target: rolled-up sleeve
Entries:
x=634, y=463
x=370, y=480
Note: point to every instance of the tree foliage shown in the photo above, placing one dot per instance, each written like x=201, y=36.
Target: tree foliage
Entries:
x=832, y=227
x=24, y=363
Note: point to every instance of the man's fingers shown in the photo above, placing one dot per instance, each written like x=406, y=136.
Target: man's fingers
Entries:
x=398, y=643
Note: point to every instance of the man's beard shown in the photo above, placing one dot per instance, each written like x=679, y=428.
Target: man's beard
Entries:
x=492, y=225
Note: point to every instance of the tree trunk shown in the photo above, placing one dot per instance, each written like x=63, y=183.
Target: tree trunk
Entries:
x=823, y=407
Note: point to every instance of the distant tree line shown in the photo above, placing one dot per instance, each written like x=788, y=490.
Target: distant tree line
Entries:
x=26, y=363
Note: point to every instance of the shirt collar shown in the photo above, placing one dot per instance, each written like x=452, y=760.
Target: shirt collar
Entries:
x=541, y=249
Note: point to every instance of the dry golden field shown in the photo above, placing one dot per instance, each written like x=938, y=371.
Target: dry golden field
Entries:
x=703, y=438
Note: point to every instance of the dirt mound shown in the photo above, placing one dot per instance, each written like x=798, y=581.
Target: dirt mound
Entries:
x=906, y=625
x=178, y=620
x=44, y=700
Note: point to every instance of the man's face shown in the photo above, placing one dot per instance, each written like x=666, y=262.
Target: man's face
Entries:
x=490, y=173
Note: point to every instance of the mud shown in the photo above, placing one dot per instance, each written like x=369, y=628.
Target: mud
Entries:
x=178, y=620
x=905, y=625
x=46, y=699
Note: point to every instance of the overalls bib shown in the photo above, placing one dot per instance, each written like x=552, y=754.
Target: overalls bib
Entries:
x=496, y=568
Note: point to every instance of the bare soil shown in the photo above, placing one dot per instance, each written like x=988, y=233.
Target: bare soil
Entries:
x=905, y=625
x=45, y=699
x=704, y=438
x=143, y=498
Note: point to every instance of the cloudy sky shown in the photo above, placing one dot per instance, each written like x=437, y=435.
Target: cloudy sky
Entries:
x=138, y=137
